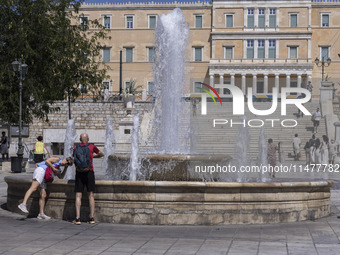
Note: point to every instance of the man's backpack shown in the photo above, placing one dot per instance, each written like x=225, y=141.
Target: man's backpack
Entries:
x=82, y=158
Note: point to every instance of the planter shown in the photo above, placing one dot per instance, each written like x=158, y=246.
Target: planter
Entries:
x=129, y=100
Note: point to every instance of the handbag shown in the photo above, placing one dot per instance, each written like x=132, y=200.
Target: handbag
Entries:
x=313, y=117
x=48, y=175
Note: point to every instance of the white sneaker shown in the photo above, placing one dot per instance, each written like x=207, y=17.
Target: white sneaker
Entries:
x=43, y=216
x=23, y=208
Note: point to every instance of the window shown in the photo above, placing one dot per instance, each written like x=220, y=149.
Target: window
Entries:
x=152, y=21
x=229, y=20
x=84, y=22
x=128, y=54
x=151, y=88
x=260, y=49
x=198, y=21
x=197, y=87
x=151, y=54
x=106, y=85
x=259, y=87
x=127, y=85
x=293, y=20
x=129, y=22
x=107, y=22
x=272, y=49
x=324, y=53
x=106, y=55
x=83, y=88
x=293, y=52
x=261, y=18
x=325, y=20
x=198, y=54
x=250, y=48
x=250, y=18
x=228, y=52
x=272, y=17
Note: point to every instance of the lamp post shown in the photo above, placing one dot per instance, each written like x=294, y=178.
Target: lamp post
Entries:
x=20, y=68
x=317, y=61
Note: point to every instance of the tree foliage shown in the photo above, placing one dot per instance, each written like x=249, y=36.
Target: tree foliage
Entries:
x=60, y=53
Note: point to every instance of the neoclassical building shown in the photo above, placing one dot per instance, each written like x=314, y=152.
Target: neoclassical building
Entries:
x=259, y=44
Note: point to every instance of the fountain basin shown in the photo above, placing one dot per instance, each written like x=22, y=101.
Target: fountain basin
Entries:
x=179, y=203
x=166, y=167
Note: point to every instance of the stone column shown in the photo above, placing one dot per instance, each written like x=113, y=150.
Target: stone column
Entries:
x=221, y=79
x=337, y=130
x=244, y=83
x=265, y=83
x=299, y=80
x=288, y=80
x=277, y=81
x=232, y=79
x=212, y=84
x=254, y=83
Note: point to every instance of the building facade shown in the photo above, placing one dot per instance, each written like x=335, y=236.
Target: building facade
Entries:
x=258, y=44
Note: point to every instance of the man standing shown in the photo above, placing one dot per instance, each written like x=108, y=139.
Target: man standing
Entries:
x=316, y=117
x=83, y=160
x=4, y=146
x=296, y=147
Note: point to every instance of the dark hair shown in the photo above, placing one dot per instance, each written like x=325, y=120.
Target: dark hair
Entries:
x=270, y=140
x=70, y=161
x=317, y=143
x=296, y=135
x=39, y=138
x=313, y=136
x=3, y=132
x=325, y=138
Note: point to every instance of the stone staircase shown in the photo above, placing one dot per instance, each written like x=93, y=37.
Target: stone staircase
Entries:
x=223, y=138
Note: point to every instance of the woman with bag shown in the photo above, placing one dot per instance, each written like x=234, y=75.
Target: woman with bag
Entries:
x=38, y=149
x=42, y=174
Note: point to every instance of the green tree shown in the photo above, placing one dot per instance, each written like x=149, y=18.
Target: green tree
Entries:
x=60, y=53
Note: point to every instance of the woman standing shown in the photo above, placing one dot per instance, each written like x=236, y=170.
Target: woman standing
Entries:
x=39, y=182
x=324, y=150
x=38, y=149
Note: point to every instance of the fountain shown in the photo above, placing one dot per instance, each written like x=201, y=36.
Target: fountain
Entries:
x=70, y=137
x=168, y=190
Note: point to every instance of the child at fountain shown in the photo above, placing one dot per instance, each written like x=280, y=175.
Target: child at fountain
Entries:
x=85, y=176
x=39, y=182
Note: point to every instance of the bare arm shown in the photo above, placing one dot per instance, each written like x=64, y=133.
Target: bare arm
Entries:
x=62, y=175
x=99, y=155
x=49, y=162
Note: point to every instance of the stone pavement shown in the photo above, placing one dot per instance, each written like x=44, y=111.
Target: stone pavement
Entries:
x=21, y=235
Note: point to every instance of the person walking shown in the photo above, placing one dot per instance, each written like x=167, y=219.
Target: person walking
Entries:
x=317, y=151
x=4, y=146
x=332, y=151
x=296, y=147
x=38, y=149
x=307, y=151
x=83, y=160
x=324, y=150
x=316, y=117
x=39, y=182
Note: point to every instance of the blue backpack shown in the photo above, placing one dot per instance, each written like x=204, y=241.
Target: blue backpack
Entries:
x=82, y=158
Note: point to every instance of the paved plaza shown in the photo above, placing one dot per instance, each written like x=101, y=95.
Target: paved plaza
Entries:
x=21, y=235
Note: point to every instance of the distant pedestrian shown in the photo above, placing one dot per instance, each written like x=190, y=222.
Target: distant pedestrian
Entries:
x=332, y=151
x=296, y=147
x=38, y=149
x=39, y=182
x=194, y=106
x=310, y=87
x=324, y=150
x=317, y=151
x=316, y=117
x=307, y=151
x=83, y=160
x=271, y=154
x=4, y=146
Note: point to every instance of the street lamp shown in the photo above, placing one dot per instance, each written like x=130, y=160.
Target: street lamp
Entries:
x=20, y=68
x=317, y=61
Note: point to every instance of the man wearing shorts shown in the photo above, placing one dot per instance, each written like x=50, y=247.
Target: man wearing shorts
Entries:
x=86, y=179
x=316, y=119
